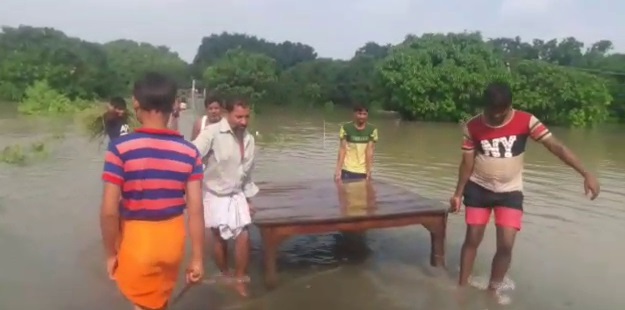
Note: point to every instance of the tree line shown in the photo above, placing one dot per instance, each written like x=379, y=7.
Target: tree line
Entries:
x=434, y=77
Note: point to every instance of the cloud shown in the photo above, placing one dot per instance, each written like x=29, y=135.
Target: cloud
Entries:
x=334, y=28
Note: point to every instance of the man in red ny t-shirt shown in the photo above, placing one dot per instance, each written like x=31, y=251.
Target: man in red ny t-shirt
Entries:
x=490, y=176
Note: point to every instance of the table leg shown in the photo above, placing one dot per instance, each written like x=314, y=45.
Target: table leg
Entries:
x=438, y=228
x=271, y=242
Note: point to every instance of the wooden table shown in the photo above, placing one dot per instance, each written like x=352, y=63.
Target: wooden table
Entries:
x=321, y=206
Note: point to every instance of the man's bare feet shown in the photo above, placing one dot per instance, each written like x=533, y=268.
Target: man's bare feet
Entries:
x=499, y=297
x=241, y=288
x=461, y=295
x=240, y=285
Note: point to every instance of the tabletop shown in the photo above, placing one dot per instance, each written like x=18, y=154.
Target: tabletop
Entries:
x=326, y=200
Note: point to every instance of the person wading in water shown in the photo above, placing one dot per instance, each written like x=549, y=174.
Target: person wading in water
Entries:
x=157, y=174
x=214, y=107
x=116, y=118
x=175, y=116
x=354, y=165
x=358, y=138
x=228, y=152
x=490, y=177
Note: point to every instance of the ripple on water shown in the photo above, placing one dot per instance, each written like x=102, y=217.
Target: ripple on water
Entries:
x=49, y=211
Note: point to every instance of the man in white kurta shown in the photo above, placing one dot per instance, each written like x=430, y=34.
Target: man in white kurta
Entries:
x=228, y=151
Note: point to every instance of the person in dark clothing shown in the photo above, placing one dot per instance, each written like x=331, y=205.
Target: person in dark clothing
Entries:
x=116, y=118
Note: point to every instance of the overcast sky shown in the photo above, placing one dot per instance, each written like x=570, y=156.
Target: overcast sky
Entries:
x=335, y=28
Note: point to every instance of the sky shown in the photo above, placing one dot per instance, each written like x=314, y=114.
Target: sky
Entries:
x=335, y=28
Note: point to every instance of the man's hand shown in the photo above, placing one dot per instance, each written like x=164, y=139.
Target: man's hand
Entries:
x=454, y=204
x=337, y=175
x=111, y=266
x=250, y=207
x=195, y=272
x=591, y=186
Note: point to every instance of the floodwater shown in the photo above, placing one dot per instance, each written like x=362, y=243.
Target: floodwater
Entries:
x=569, y=254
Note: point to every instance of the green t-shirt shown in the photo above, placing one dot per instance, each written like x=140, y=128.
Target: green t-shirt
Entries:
x=357, y=140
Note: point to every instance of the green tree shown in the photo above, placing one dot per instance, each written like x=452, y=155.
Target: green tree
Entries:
x=214, y=47
x=561, y=95
x=76, y=68
x=241, y=73
x=40, y=98
x=433, y=77
x=356, y=82
x=596, y=59
x=129, y=60
x=439, y=77
x=321, y=74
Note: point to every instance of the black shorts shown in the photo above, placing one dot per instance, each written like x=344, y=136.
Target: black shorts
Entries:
x=477, y=196
x=348, y=175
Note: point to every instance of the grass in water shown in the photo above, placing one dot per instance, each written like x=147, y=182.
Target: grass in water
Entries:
x=19, y=155
x=92, y=121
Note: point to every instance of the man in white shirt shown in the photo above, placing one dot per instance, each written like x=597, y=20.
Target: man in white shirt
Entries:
x=228, y=151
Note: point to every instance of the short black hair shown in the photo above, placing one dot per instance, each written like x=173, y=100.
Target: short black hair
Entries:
x=210, y=98
x=231, y=104
x=118, y=103
x=155, y=92
x=498, y=94
x=360, y=108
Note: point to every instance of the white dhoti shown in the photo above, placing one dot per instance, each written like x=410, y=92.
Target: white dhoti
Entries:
x=229, y=214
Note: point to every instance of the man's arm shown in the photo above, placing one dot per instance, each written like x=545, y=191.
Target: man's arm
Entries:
x=373, y=139
x=196, y=210
x=369, y=157
x=196, y=129
x=204, y=142
x=341, y=157
x=249, y=187
x=466, y=165
x=342, y=151
x=113, y=177
x=176, y=109
x=558, y=149
x=109, y=218
x=540, y=133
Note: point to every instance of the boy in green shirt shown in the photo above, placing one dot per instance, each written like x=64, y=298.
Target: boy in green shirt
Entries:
x=358, y=139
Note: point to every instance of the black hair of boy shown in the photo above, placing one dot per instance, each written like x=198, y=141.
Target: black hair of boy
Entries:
x=155, y=92
x=118, y=103
x=360, y=108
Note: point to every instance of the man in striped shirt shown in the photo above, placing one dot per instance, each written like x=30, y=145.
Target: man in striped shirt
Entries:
x=151, y=170
x=491, y=176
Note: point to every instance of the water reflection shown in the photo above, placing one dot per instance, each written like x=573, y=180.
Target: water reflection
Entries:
x=356, y=197
x=49, y=220
x=315, y=200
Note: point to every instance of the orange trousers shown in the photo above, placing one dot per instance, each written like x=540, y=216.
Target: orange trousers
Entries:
x=149, y=258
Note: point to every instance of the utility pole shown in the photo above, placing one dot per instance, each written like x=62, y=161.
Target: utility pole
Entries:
x=193, y=95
